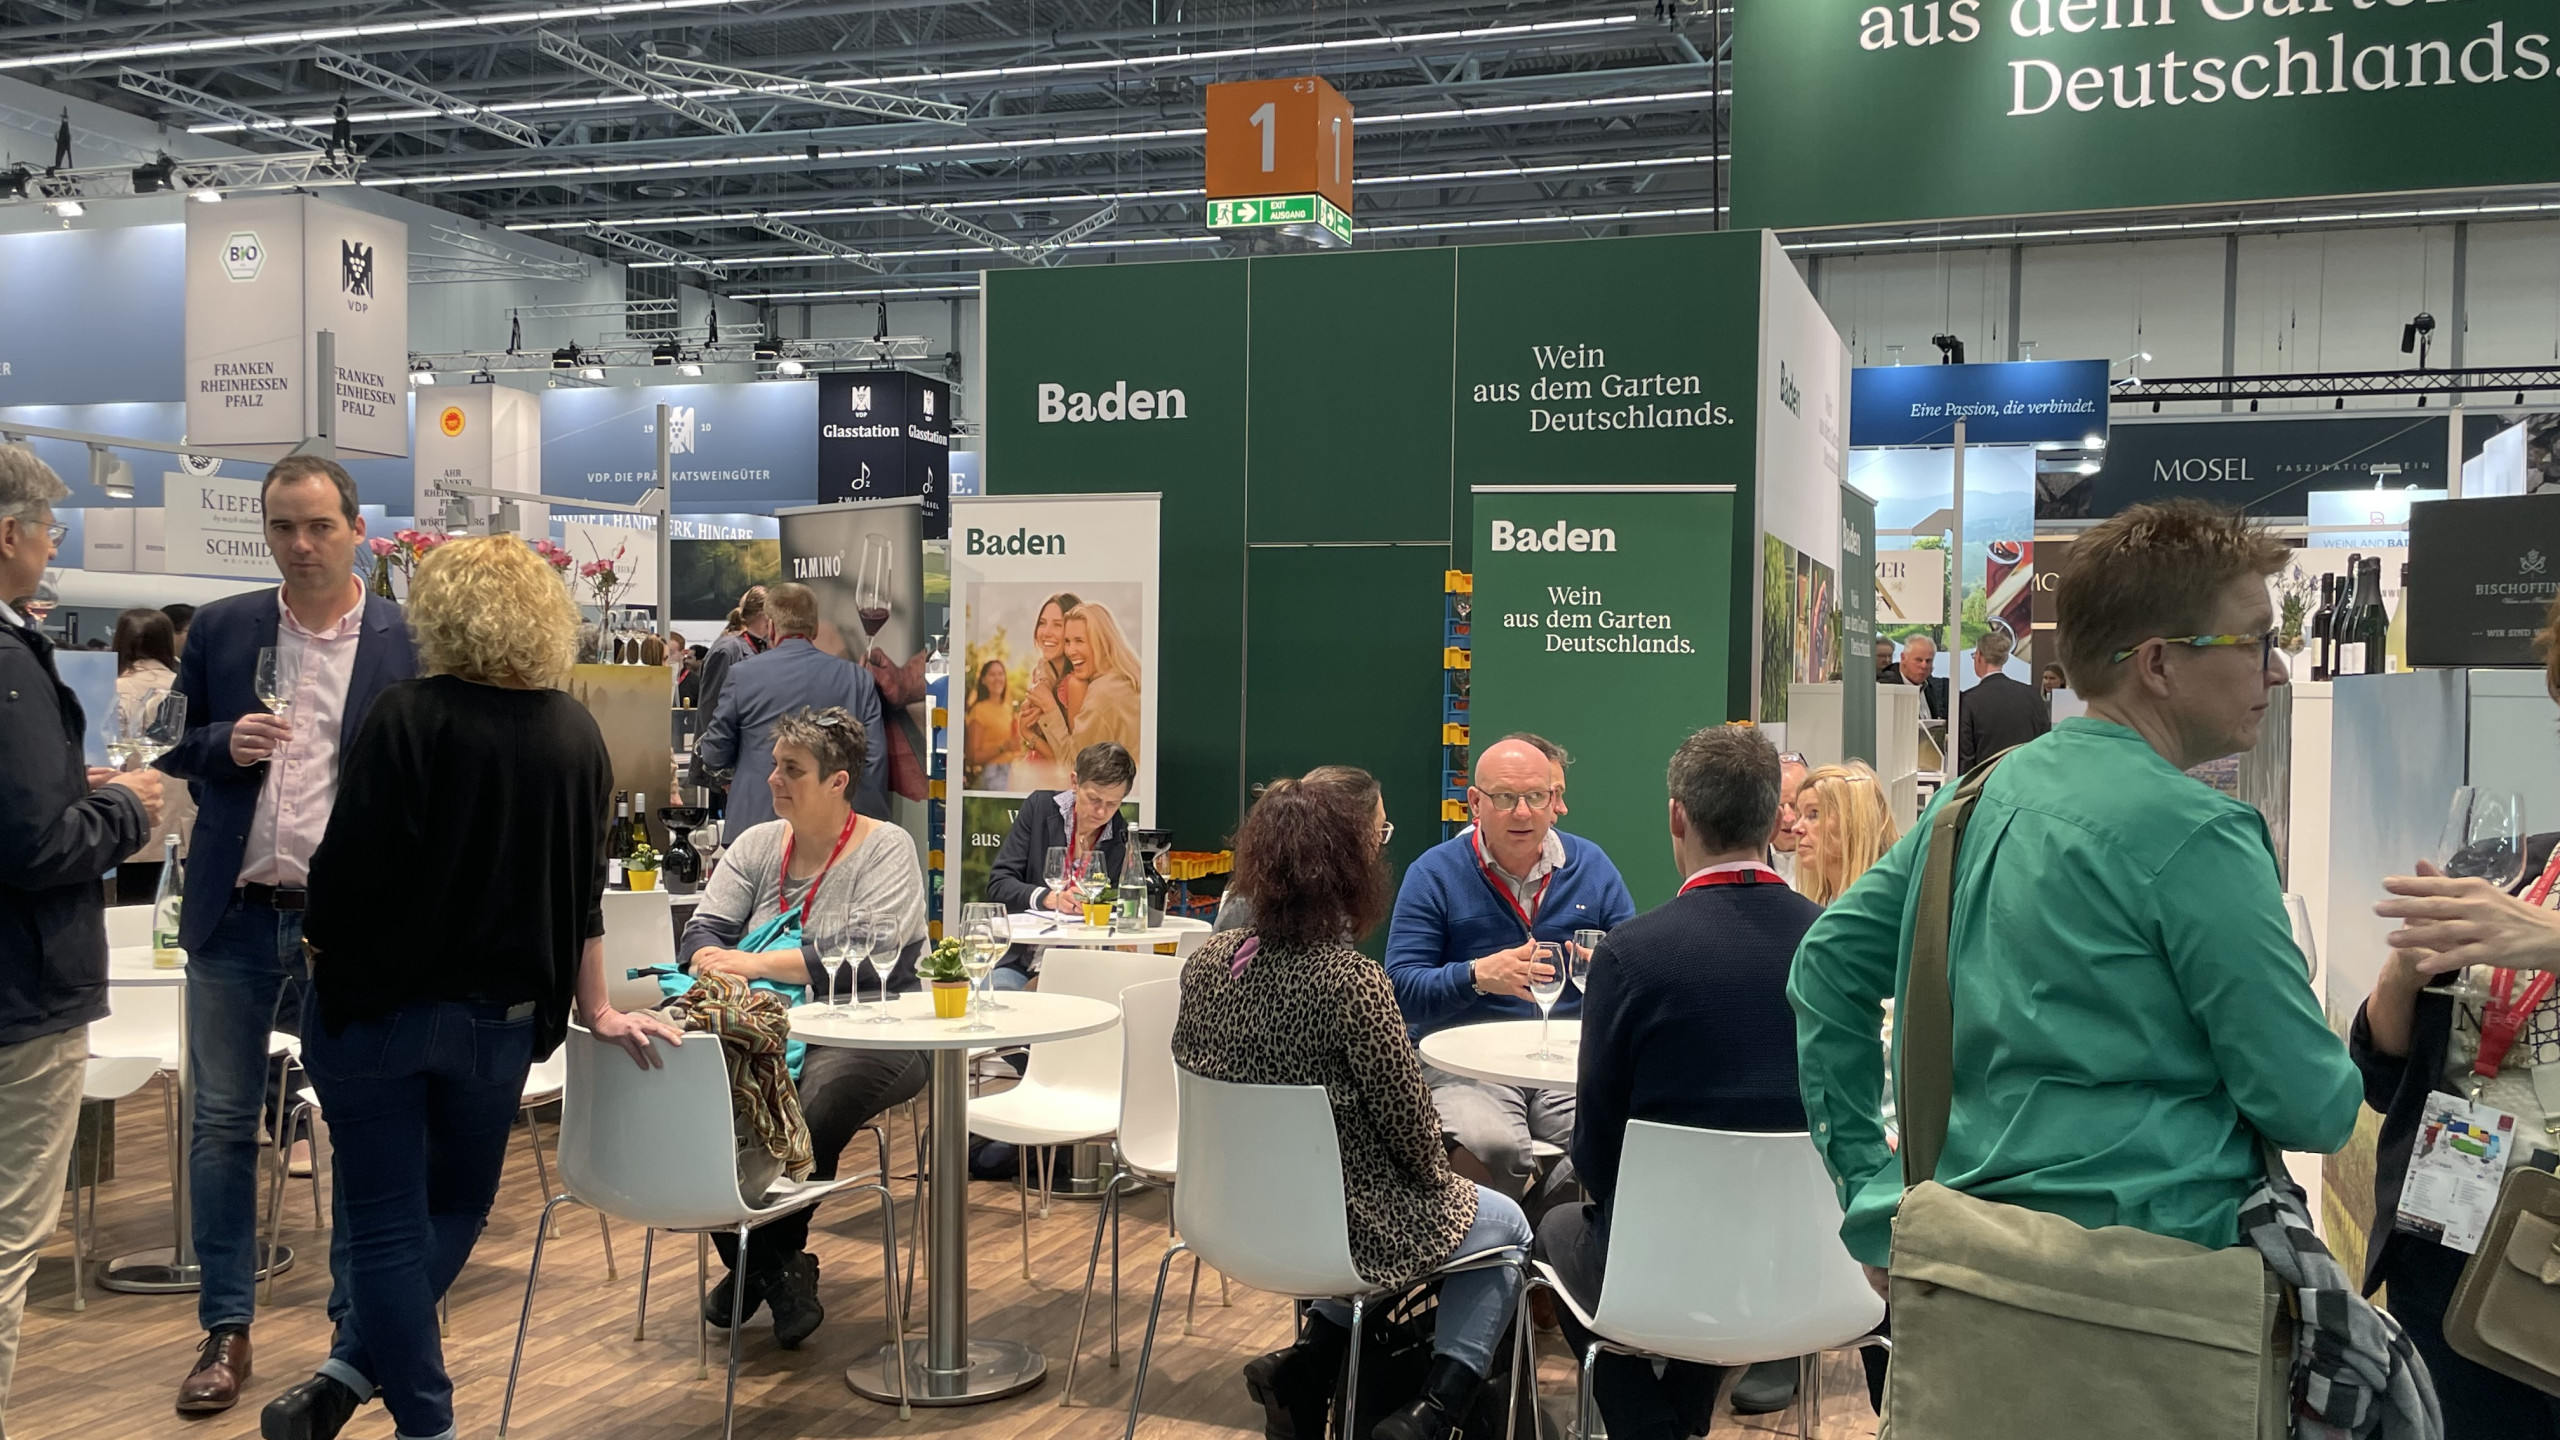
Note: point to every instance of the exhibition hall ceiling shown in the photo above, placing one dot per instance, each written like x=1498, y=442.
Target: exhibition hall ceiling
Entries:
x=817, y=146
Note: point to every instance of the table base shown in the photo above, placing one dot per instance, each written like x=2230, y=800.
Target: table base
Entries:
x=997, y=1368
x=158, y=1272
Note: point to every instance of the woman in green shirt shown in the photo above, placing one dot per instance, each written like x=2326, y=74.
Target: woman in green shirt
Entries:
x=2131, y=1012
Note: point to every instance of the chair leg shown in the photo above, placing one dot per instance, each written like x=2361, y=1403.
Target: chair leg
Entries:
x=1147, y=1347
x=1092, y=1264
x=1048, y=1177
x=275, y=1201
x=648, y=1247
x=701, y=1293
x=605, y=1224
x=541, y=1170
x=1192, y=1306
x=737, y=1327
x=79, y=1231
x=889, y=1279
x=1809, y=1396
x=1582, y=1393
x=1115, y=1285
x=524, y=1318
x=1349, y=1421
x=1022, y=1192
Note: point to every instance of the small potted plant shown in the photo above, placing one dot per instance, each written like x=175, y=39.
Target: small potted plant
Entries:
x=642, y=867
x=941, y=968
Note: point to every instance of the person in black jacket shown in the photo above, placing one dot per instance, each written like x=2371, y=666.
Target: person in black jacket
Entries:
x=62, y=826
x=457, y=909
x=1686, y=1022
x=1084, y=822
x=1919, y=658
x=1998, y=713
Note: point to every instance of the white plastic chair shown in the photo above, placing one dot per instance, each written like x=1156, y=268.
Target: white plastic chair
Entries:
x=1261, y=1199
x=542, y=1085
x=659, y=1148
x=128, y=926
x=1145, y=1148
x=639, y=933
x=1070, y=1090
x=1775, y=1284
x=104, y=1078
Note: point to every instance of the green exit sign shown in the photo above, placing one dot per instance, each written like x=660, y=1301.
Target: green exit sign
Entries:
x=1308, y=217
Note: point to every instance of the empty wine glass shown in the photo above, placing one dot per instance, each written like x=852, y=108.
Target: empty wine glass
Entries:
x=157, y=725
x=882, y=961
x=1053, y=869
x=2297, y=912
x=982, y=939
x=1546, y=985
x=278, y=670
x=2483, y=836
x=1586, y=943
x=832, y=963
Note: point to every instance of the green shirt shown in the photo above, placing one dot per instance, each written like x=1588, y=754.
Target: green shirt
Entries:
x=2127, y=994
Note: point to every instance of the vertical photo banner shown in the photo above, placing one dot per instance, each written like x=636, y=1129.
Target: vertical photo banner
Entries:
x=1054, y=604
x=1857, y=625
x=1604, y=621
x=866, y=563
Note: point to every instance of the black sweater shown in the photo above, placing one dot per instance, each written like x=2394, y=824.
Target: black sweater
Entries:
x=465, y=857
x=1687, y=1023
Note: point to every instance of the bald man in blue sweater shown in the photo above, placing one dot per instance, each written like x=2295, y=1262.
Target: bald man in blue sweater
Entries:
x=1460, y=949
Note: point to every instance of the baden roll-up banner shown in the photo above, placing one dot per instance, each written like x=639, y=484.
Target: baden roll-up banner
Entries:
x=1848, y=113
x=1055, y=602
x=265, y=274
x=1603, y=622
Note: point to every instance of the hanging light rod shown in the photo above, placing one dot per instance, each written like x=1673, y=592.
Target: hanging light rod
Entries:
x=376, y=30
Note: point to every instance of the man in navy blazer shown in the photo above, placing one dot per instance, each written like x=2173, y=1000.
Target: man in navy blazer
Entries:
x=795, y=674
x=264, y=783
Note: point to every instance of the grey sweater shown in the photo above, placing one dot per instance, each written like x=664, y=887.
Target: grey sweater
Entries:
x=870, y=902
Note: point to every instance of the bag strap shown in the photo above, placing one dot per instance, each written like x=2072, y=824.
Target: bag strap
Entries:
x=1924, y=1090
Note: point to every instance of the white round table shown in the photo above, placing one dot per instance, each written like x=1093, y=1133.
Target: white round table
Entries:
x=1497, y=1053
x=948, y=1366
x=1052, y=932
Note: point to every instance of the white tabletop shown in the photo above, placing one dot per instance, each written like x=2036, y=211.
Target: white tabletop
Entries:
x=1498, y=1053
x=1028, y=1018
x=131, y=965
x=1042, y=932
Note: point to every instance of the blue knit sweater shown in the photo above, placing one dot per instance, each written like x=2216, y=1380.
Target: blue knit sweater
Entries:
x=1449, y=914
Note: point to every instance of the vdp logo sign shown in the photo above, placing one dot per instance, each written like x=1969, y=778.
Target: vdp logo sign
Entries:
x=242, y=256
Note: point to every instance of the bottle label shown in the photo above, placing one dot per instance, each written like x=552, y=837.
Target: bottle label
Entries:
x=2350, y=659
x=613, y=874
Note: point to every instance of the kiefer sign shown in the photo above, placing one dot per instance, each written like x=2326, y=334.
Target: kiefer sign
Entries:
x=885, y=434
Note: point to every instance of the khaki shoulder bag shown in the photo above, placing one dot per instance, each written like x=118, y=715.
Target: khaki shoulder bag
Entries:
x=2015, y=1324
x=2506, y=1312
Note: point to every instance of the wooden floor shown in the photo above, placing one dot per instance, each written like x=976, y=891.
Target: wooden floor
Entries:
x=110, y=1372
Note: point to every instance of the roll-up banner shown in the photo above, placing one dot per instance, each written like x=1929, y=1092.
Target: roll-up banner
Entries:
x=1603, y=617
x=1857, y=625
x=866, y=563
x=1055, y=602
x=266, y=274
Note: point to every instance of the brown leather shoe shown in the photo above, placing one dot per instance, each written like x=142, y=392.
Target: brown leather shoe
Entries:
x=222, y=1367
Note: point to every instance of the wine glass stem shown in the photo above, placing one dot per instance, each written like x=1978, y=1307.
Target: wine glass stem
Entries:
x=1543, y=1015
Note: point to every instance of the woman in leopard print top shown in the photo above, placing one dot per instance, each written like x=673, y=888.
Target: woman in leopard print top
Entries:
x=1291, y=1002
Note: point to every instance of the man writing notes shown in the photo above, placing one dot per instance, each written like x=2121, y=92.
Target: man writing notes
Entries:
x=1462, y=948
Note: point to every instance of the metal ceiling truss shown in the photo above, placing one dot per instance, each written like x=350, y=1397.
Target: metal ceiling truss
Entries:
x=468, y=257
x=478, y=117
x=785, y=230
x=639, y=356
x=1035, y=252
x=247, y=174
x=614, y=72
x=2340, y=384
x=834, y=94
x=642, y=244
x=187, y=97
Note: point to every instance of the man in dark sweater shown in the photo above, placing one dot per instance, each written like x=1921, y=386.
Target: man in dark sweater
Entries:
x=1686, y=1023
x=1998, y=712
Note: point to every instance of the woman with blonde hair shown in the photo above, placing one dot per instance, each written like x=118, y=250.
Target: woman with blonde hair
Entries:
x=1843, y=826
x=456, y=911
x=1044, y=723
x=1109, y=667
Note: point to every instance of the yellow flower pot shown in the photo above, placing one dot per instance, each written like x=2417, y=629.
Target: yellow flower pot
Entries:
x=1098, y=915
x=950, y=998
x=642, y=879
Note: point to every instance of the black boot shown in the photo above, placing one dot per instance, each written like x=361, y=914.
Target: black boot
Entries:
x=718, y=1305
x=1295, y=1386
x=316, y=1409
x=793, y=1293
x=1448, y=1393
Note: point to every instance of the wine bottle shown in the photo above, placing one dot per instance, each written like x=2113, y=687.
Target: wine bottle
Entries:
x=618, y=842
x=639, y=824
x=164, y=908
x=2346, y=657
x=2320, y=621
x=2399, y=642
x=2374, y=625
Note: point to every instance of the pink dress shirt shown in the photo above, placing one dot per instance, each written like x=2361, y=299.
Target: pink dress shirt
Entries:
x=302, y=776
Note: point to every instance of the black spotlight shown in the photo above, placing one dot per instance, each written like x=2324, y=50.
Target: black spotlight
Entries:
x=13, y=182
x=2342, y=403
x=2253, y=407
x=768, y=348
x=666, y=353
x=2417, y=335
x=566, y=357
x=1950, y=348
x=153, y=178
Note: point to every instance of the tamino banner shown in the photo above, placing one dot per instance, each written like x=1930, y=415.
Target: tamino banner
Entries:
x=1604, y=621
x=1054, y=604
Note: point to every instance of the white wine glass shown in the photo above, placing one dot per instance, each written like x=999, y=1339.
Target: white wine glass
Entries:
x=1546, y=986
x=1053, y=869
x=1586, y=943
x=2483, y=836
x=980, y=925
x=159, y=724
x=882, y=961
x=833, y=961
x=278, y=670
x=999, y=930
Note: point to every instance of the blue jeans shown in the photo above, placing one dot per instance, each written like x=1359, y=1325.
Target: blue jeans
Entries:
x=1003, y=979
x=234, y=981
x=420, y=1103
x=1475, y=1305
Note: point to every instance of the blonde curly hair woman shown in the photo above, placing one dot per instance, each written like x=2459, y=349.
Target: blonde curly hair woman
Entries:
x=1843, y=826
x=456, y=909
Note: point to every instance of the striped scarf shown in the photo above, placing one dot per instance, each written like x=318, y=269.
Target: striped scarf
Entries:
x=754, y=1027
x=2355, y=1374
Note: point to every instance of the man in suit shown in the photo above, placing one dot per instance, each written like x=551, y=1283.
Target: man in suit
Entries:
x=1998, y=712
x=1686, y=1023
x=753, y=637
x=1084, y=821
x=62, y=825
x=794, y=675
x=264, y=783
x=1919, y=657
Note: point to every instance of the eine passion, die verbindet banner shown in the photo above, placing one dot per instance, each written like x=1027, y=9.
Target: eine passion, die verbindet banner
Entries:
x=1848, y=114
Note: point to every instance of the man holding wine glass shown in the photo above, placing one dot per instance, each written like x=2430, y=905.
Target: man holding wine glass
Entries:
x=277, y=684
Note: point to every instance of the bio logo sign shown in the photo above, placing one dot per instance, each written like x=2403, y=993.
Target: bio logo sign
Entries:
x=242, y=256
x=450, y=421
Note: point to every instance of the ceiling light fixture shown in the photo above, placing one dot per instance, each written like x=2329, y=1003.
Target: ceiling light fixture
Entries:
x=592, y=372
x=205, y=195
x=316, y=34
x=788, y=366
x=690, y=368
x=153, y=177
x=68, y=209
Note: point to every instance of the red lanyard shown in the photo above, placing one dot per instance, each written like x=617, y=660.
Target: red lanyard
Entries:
x=1747, y=873
x=782, y=879
x=1528, y=914
x=2502, y=1019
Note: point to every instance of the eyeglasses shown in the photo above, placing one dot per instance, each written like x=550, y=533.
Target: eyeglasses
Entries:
x=1386, y=831
x=1794, y=757
x=1509, y=800
x=54, y=529
x=2266, y=644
